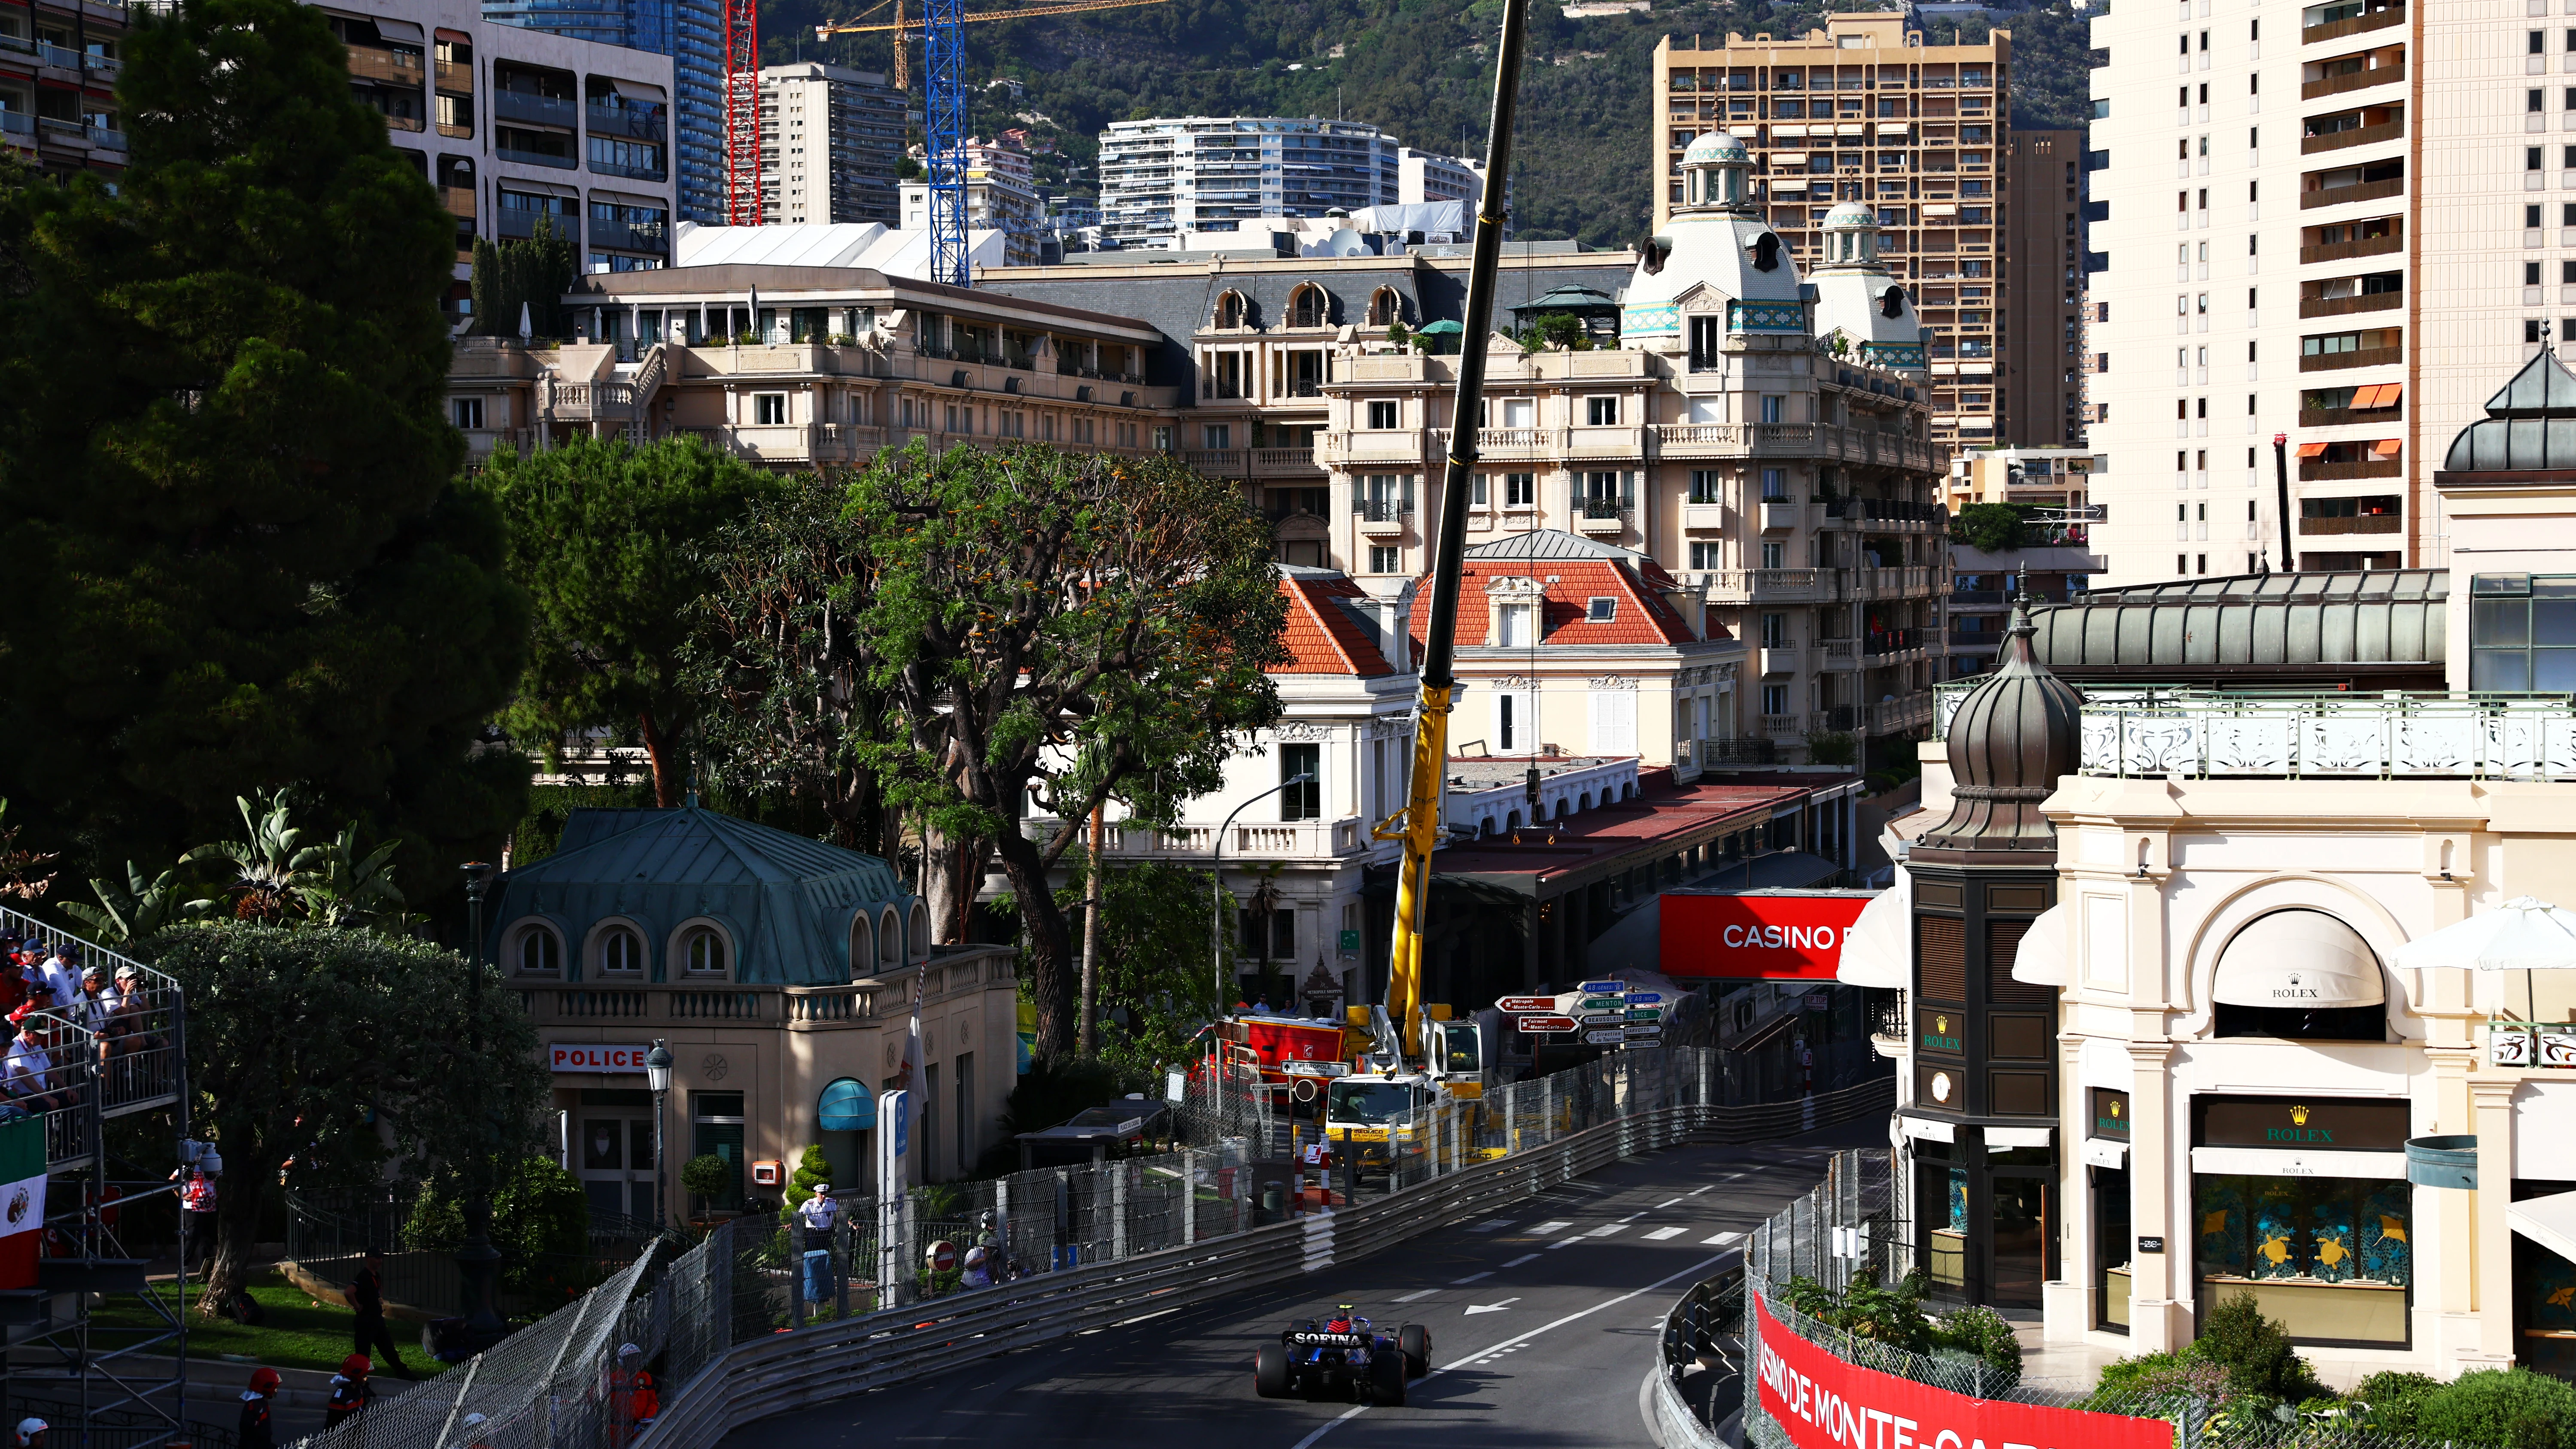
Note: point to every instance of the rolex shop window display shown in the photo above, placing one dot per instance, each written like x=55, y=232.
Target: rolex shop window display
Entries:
x=2304, y=1203
x=2106, y=1173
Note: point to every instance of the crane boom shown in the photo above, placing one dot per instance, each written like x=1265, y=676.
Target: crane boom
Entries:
x=1419, y=826
x=1026, y=12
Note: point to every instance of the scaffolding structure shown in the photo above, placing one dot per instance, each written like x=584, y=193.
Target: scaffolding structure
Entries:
x=94, y=1348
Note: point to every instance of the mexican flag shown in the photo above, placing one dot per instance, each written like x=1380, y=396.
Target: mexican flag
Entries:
x=22, y=1200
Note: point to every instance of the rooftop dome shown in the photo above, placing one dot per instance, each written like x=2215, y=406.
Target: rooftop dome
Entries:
x=1851, y=213
x=2011, y=740
x=1713, y=147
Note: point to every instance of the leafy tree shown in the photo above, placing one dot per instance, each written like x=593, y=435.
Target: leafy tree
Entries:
x=260, y=564
x=1990, y=527
x=790, y=683
x=1060, y=629
x=296, y=1037
x=348, y=888
x=540, y=1217
x=1157, y=985
x=1561, y=331
x=24, y=873
x=604, y=537
x=270, y=866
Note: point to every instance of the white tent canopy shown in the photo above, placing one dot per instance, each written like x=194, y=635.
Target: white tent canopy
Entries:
x=1878, y=950
x=2041, y=960
x=2299, y=959
x=2523, y=934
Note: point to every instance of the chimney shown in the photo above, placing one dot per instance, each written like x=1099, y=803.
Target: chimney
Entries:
x=1689, y=598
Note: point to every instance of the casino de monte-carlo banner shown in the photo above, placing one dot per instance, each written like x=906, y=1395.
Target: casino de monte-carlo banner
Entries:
x=1825, y=1403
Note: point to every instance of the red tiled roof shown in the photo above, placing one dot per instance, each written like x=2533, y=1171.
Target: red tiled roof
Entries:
x=1641, y=618
x=1323, y=637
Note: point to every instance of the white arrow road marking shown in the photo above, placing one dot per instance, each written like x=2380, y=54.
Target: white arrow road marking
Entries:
x=1515, y=1341
x=1475, y=1308
x=1659, y=1234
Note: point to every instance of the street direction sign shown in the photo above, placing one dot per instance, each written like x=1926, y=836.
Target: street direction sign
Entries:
x=1605, y=988
x=1645, y=1013
x=1602, y=1003
x=1539, y=1025
x=1516, y=1005
x=1645, y=998
x=1637, y=1033
x=1603, y=1018
x=1611, y=1037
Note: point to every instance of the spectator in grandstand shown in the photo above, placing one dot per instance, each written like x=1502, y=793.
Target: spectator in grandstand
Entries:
x=62, y=972
x=27, y=1074
x=95, y=1003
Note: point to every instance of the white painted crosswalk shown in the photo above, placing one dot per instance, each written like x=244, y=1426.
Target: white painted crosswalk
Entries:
x=1659, y=1234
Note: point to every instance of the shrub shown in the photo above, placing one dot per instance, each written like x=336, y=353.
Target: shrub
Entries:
x=706, y=1176
x=1891, y=1314
x=1831, y=747
x=2255, y=1351
x=2507, y=1409
x=1981, y=1331
x=2153, y=1382
x=2395, y=1398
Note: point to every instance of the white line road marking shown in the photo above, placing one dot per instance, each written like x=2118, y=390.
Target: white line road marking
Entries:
x=1523, y=1258
x=1606, y=1229
x=1720, y=1241
x=1632, y=1217
x=1666, y=1203
x=1419, y=1293
x=1491, y=1225
x=1659, y=1234
x=1544, y=1229
x=1472, y=1278
x=1564, y=1243
x=1515, y=1341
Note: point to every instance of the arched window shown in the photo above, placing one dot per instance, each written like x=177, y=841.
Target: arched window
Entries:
x=1310, y=307
x=1892, y=302
x=1766, y=252
x=703, y=953
x=1513, y=821
x=536, y=952
x=1586, y=802
x=1386, y=307
x=920, y=932
x=890, y=942
x=863, y=945
x=618, y=951
x=1231, y=310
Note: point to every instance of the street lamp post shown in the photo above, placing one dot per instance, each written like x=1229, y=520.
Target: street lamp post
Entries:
x=478, y=1262
x=1216, y=879
x=657, y=1075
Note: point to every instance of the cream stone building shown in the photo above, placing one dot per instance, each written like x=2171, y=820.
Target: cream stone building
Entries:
x=2245, y=1088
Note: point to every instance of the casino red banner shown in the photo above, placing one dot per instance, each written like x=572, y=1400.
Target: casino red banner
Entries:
x=1756, y=937
x=1825, y=1403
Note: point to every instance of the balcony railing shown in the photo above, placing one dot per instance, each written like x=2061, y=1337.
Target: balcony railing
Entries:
x=2359, y=191
x=2151, y=732
x=527, y=106
x=1249, y=841
x=2312, y=471
x=630, y=122
x=2343, y=306
x=1381, y=510
x=2353, y=136
x=2362, y=357
x=2371, y=246
x=2335, y=85
x=2371, y=523
x=2353, y=25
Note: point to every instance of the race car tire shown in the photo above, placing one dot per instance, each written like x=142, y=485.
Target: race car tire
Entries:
x=1416, y=1342
x=1386, y=1381
x=1270, y=1371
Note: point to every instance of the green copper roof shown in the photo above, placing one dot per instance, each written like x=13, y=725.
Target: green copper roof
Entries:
x=786, y=901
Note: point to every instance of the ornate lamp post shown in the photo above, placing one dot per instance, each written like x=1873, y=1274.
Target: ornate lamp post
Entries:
x=657, y=1075
x=478, y=1262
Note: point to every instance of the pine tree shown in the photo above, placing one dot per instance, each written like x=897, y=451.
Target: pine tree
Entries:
x=223, y=434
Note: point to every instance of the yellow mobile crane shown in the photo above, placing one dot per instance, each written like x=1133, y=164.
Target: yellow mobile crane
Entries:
x=1370, y=1114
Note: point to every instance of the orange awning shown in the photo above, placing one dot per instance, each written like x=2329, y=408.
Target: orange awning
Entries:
x=2385, y=447
x=2379, y=395
x=2312, y=450
x=2367, y=397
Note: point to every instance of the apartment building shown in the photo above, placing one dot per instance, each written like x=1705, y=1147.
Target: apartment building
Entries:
x=513, y=124
x=1209, y=173
x=2053, y=562
x=690, y=32
x=2044, y=274
x=1001, y=196
x=2368, y=226
x=1426, y=176
x=1864, y=111
x=830, y=141
x=59, y=64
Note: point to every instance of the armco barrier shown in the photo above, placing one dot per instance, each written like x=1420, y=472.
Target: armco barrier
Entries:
x=783, y=1372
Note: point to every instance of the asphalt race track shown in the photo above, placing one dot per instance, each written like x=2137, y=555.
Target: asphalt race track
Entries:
x=1543, y=1322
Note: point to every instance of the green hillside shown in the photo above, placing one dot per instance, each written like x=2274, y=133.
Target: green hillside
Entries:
x=1422, y=69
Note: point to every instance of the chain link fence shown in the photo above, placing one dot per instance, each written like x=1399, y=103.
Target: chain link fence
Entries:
x=1852, y=1226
